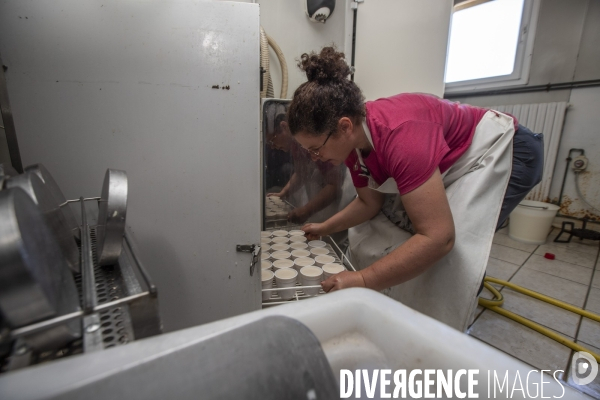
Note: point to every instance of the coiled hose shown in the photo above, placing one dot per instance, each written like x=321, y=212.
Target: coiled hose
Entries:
x=282, y=63
x=496, y=303
x=264, y=63
x=265, y=42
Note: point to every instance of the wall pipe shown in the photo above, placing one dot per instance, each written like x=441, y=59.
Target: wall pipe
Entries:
x=569, y=159
x=355, y=15
x=562, y=188
x=525, y=89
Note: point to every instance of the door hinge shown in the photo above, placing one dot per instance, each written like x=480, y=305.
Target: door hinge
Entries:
x=250, y=248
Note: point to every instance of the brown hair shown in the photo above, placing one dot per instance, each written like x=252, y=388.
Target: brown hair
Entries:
x=329, y=95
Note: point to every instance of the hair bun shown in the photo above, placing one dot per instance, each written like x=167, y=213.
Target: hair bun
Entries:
x=327, y=66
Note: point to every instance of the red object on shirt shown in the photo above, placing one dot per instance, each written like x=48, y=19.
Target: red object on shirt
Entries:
x=413, y=134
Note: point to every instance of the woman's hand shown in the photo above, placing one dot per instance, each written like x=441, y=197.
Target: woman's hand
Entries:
x=314, y=231
x=281, y=194
x=343, y=280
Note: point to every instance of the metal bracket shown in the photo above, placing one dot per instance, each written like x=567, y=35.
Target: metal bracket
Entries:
x=262, y=73
x=565, y=224
x=8, y=122
x=250, y=248
x=354, y=4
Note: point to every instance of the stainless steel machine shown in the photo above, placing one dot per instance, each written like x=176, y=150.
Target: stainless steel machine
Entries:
x=168, y=92
x=53, y=305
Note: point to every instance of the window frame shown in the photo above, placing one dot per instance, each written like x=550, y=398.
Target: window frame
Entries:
x=520, y=74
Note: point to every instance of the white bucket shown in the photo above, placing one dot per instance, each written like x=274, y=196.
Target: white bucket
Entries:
x=530, y=221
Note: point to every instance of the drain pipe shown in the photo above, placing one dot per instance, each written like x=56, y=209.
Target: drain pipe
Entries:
x=562, y=187
x=354, y=7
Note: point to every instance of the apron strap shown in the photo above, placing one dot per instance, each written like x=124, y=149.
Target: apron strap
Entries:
x=363, y=168
x=368, y=133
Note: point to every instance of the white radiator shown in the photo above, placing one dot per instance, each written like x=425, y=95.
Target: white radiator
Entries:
x=546, y=118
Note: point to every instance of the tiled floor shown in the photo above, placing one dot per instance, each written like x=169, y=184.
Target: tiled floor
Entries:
x=573, y=277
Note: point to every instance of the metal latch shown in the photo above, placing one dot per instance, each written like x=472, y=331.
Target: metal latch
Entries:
x=354, y=4
x=250, y=248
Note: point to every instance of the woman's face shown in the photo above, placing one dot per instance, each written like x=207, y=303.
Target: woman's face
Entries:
x=331, y=147
x=281, y=139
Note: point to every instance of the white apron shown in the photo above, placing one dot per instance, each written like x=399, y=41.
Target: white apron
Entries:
x=475, y=186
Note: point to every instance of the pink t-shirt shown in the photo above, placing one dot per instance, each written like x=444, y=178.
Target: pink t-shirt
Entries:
x=413, y=134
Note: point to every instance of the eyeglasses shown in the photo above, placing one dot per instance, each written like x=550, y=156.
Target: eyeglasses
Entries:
x=315, y=152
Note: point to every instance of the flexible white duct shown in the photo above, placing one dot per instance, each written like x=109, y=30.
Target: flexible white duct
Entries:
x=284, y=70
x=268, y=92
x=264, y=63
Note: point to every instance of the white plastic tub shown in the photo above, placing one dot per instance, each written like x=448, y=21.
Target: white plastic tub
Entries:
x=357, y=328
x=530, y=222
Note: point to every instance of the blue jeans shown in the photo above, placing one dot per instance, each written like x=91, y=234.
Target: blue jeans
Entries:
x=527, y=169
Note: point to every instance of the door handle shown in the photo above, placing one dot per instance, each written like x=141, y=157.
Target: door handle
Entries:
x=250, y=248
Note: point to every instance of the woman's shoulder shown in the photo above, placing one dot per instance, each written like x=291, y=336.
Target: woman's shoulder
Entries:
x=409, y=98
x=391, y=112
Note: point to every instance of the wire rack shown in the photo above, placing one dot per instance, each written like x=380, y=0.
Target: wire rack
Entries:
x=299, y=290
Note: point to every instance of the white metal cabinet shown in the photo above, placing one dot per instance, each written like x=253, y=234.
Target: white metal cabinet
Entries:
x=133, y=86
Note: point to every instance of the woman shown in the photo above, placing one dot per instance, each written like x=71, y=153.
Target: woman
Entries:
x=326, y=185
x=450, y=164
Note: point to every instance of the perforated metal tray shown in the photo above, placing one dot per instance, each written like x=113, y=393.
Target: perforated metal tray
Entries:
x=116, y=308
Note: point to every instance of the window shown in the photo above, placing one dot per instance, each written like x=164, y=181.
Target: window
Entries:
x=490, y=44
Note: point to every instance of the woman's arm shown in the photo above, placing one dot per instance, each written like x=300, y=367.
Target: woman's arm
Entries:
x=429, y=211
x=361, y=209
x=325, y=197
x=331, y=190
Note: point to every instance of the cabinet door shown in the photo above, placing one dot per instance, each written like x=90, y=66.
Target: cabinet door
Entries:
x=169, y=92
x=401, y=46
